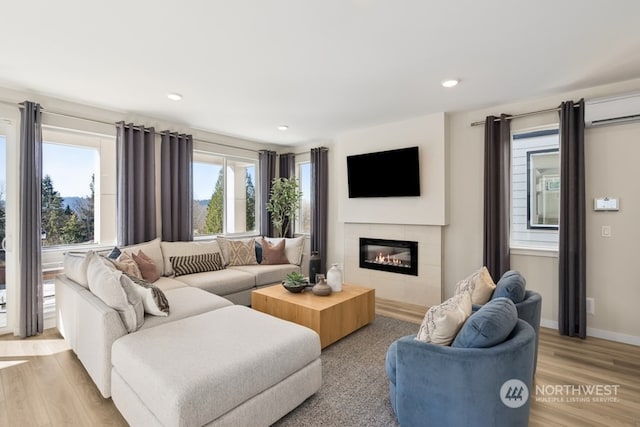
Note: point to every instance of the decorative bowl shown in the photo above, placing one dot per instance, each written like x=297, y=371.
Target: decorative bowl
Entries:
x=295, y=288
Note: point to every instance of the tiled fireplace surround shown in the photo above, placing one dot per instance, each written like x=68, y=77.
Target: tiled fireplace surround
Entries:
x=423, y=289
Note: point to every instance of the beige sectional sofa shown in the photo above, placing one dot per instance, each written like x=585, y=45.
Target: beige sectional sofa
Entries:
x=208, y=362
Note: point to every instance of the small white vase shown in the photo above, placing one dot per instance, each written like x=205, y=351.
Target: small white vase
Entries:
x=334, y=278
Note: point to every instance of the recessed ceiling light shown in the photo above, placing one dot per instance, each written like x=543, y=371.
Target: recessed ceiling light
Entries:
x=283, y=127
x=450, y=82
x=174, y=96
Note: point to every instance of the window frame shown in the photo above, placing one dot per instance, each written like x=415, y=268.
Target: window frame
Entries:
x=200, y=156
x=541, y=241
x=299, y=222
x=532, y=185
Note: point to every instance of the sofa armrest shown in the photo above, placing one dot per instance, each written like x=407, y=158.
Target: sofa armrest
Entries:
x=91, y=327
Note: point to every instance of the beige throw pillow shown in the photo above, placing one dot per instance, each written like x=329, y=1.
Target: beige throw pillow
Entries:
x=242, y=252
x=105, y=283
x=442, y=322
x=127, y=265
x=479, y=284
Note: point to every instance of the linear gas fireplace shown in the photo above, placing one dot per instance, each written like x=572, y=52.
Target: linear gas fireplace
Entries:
x=396, y=256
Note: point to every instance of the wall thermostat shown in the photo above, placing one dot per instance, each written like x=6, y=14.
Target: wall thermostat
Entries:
x=605, y=204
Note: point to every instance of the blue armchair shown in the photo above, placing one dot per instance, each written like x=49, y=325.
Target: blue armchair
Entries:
x=432, y=385
x=528, y=303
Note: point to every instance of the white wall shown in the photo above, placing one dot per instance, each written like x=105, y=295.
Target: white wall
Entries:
x=403, y=218
x=612, y=155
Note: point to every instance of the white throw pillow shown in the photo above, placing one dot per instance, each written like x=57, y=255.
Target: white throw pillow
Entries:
x=293, y=248
x=104, y=282
x=75, y=266
x=479, y=284
x=442, y=322
x=153, y=299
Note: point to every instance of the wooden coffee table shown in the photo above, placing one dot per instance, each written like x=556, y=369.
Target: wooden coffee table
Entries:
x=332, y=317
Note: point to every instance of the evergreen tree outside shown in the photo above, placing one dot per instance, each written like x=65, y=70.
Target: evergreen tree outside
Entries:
x=251, y=202
x=66, y=225
x=53, y=214
x=213, y=223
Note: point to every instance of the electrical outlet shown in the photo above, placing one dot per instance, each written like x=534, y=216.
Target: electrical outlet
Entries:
x=591, y=306
x=606, y=231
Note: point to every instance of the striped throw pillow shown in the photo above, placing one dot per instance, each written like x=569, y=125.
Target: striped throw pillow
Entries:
x=196, y=263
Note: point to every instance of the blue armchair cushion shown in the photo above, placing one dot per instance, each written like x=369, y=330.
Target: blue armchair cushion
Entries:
x=488, y=326
x=511, y=285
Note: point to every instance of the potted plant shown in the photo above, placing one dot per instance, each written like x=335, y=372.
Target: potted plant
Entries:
x=283, y=204
x=295, y=282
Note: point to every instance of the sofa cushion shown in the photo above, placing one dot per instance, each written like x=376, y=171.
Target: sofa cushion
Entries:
x=186, y=302
x=221, y=282
x=168, y=283
x=442, y=322
x=273, y=253
x=153, y=299
x=267, y=274
x=480, y=284
x=236, y=353
x=148, y=268
x=75, y=267
x=170, y=249
x=488, y=326
x=152, y=249
x=190, y=264
x=105, y=283
x=293, y=248
x=511, y=285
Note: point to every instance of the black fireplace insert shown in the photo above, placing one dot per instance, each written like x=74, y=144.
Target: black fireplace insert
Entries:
x=395, y=256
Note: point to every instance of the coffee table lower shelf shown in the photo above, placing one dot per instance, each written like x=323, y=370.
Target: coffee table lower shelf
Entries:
x=332, y=317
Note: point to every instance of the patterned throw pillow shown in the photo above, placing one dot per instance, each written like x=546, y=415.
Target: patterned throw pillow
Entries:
x=442, y=322
x=242, y=252
x=190, y=264
x=154, y=300
x=479, y=284
x=273, y=253
x=147, y=267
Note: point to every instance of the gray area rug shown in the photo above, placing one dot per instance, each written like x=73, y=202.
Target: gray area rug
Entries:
x=355, y=389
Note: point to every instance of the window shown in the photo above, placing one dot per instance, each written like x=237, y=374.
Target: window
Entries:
x=535, y=188
x=224, y=195
x=78, y=188
x=303, y=224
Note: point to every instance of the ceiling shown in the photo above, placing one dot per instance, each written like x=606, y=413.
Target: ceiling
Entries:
x=321, y=67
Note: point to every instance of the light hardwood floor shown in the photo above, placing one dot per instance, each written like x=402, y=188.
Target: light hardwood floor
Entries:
x=42, y=383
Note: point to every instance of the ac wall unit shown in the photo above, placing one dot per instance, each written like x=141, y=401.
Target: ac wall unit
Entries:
x=612, y=109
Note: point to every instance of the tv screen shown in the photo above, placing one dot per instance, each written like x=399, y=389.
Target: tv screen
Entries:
x=393, y=173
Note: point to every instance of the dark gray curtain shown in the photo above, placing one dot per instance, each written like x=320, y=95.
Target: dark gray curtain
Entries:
x=319, y=200
x=287, y=166
x=30, y=306
x=497, y=152
x=572, y=311
x=176, y=186
x=136, y=207
x=267, y=165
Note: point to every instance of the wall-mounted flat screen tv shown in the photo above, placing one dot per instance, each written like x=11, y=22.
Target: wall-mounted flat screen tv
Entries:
x=393, y=173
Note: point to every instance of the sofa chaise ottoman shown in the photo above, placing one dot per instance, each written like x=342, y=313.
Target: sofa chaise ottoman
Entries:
x=243, y=368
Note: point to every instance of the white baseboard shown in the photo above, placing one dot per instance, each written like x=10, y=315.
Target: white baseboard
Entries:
x=598, y=333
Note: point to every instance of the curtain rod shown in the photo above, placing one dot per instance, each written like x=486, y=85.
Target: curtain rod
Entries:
x=53, y=113
x=516, y=116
